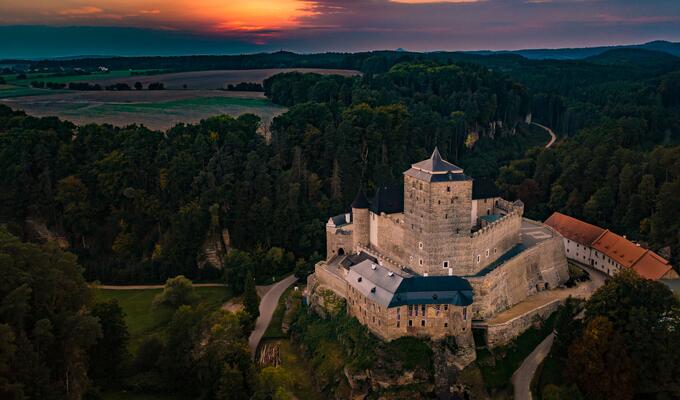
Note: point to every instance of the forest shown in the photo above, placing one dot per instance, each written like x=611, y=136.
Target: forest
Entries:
x=132, y=205
x=139, y=206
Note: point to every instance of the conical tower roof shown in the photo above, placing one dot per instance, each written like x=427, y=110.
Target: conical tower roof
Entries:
x=360, y=201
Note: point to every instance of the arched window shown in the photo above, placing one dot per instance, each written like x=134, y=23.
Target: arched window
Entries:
x=341, y=251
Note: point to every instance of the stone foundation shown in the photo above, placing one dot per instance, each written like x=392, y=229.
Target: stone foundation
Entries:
x=538, y=268
x=502, y=334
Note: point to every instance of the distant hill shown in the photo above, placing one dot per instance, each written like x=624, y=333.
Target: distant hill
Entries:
x=586, y=52
x=635, y=56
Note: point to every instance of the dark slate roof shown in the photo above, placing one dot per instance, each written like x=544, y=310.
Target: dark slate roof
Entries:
x=388, y=200
x=435, y=164
x=433, y=290
x=484, y=189
x=439, y=177
x=341, y=219
x=360, y=201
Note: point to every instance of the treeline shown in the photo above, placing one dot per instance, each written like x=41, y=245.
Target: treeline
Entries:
x=85, y=86
x=620, y=167
x=58, y=342
x=246, y=87
x=141, y=206
x=625, y=344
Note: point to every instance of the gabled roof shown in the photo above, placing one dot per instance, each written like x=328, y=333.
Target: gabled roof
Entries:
x=392, y=290
x=436, y=165
x=374, y=281
x=433, y=290
x=388, y=200
x=618, y=248
x=574, y=229
x=652, y=266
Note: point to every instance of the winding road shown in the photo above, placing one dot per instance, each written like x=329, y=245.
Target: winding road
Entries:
x=268, y=303
x=553, y=137
x=523, y=376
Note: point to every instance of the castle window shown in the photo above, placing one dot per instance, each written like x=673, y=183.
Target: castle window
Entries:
x=439, y=202
x=495, y=250
x=464, y=313
x=446, y=307
x=422, y=322
x=479, y=258
x=446, y=216
x=446, y=324
x=448, y=188
x=420, y=245
x=487, y=252
x=374, y=320
x=397, y=324
x=451, y=201
x=410, y=322
x=423, y=309
x=420, y=261
x=446, y=264
x=421, y=186
x=412, y=225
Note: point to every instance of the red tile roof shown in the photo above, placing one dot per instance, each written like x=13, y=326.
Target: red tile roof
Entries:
x=652, y=266
x=645, y=262
x=574, y=229
x=618, y=248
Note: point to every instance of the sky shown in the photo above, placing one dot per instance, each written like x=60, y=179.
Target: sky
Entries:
x=129, y=27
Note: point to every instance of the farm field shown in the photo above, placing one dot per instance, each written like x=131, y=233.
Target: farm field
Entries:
x=155, y=109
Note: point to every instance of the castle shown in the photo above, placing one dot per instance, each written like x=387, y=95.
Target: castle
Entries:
x=433, y=257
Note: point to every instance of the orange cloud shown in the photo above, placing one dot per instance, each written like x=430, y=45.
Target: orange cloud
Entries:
x=87, y=10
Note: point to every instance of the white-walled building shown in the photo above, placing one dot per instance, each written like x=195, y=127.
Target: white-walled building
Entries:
x=606, y=251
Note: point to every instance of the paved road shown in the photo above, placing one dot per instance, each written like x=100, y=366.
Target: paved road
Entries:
x=138, y=287
x=553, y=137
x=521, y=379
x=268, y=303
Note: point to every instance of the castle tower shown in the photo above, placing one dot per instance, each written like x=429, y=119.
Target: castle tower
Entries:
x=437, y=209
x=360, y=222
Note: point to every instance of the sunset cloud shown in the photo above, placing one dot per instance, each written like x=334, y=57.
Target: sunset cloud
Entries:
x=87, y=10
x=319, y=25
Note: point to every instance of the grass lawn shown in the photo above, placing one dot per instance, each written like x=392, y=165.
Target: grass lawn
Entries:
x=294, y=362
x=143, y=319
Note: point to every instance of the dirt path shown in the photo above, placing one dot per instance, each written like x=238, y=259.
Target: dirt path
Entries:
x=553, y=137
x=139, y=287
x=268, y=303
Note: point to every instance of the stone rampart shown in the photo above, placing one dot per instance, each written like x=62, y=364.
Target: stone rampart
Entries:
x=502, y=334
x=541, y=267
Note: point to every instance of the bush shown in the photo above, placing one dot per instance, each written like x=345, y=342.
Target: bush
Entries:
x=178, y=291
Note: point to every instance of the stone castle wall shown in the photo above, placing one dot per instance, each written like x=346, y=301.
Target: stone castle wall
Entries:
x=339, y=238
x=437, y=219
x=494, y=240
x=502, y=334
x=325, y=278
x=387, y=236
x=538, y=268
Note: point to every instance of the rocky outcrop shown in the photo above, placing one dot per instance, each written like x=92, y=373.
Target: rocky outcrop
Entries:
x=214, y=249
x=38, y=231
